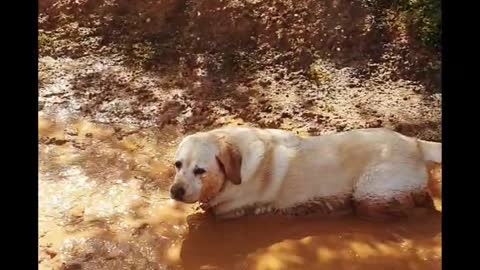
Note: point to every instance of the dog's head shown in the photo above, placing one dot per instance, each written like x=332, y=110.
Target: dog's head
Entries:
x=204, y=162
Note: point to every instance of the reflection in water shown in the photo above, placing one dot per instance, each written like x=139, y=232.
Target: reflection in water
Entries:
x=309, y=243
x=103, y=204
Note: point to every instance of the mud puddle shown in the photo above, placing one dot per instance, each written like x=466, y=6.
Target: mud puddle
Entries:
x=103, y=204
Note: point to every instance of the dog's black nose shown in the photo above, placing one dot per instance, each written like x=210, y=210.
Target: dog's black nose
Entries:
x=177, y=191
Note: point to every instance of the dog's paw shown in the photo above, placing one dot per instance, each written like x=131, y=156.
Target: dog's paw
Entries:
x=233, y=214
x=259, y=211
x=263, y=210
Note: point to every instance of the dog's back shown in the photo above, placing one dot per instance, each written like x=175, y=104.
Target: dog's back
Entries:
x=366, y=162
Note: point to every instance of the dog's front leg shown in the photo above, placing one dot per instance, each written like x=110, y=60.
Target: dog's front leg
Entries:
x=228, y=210
x=230, y=215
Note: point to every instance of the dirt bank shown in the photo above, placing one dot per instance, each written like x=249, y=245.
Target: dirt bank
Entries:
x=313, y=67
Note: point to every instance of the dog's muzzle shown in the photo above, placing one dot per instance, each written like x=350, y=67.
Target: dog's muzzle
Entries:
x=177, y=191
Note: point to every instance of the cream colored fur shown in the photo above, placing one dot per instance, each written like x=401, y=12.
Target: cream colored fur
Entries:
x=282, y=170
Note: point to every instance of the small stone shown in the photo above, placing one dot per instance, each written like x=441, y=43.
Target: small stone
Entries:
x=56, y=141
x=286, y=115
x=268, y=109
x=51, y=253
x=341, y=127
x=374, y=123
x=71, y=131
x=310, y=102
x=312, y=129
x=262, y=101
x=308, y=114
x=265, y=82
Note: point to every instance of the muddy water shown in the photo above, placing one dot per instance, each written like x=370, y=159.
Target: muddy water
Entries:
x=103, y=204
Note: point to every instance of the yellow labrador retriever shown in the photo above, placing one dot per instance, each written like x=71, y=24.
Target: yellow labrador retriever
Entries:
x=235, y=171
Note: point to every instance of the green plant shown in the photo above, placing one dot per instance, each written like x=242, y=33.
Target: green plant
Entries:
x=423, y=17
x=329, y=108
x=44, y=41
x=319, y=74
x=426, y=17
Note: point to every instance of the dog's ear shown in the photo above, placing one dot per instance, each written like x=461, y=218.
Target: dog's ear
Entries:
x=230, y=160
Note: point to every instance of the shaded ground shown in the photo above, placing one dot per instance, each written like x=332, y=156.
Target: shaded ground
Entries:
x=120, y=82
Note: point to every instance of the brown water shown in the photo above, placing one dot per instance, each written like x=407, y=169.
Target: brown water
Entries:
x=104, y=205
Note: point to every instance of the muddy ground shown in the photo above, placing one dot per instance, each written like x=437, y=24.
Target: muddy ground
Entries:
x=121, y=82
x=103, y=204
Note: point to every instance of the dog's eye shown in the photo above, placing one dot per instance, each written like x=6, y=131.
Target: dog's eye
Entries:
x=178, y=164
x=198, y=171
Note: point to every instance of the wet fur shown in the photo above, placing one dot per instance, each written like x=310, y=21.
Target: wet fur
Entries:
x=374, y=172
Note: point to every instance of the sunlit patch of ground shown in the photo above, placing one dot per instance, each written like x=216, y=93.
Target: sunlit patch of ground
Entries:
x=359, y=251
x=104, y=204
x=102, y=194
